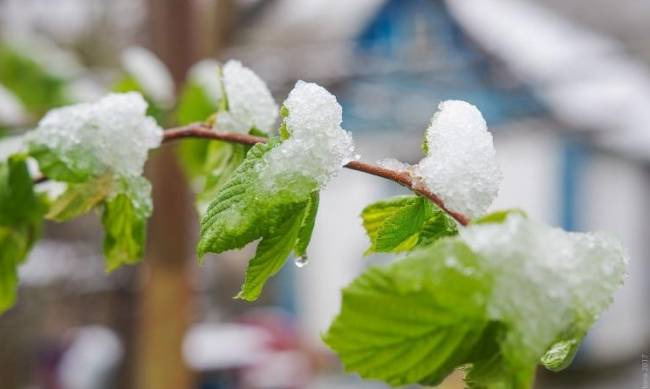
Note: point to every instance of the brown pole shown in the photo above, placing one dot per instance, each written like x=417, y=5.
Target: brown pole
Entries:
x=166, y=299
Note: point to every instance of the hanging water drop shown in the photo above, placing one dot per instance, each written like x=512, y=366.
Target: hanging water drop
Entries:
x=301, y=261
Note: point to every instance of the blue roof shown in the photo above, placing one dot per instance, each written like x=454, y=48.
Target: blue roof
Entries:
x=411, y=56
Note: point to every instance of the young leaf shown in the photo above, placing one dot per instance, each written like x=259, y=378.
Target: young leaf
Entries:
x=53, y=166
x=430, y=317
x=487, y=367
x=21, y=218
x=79, y=199
x=307, y=227
x=19, y=204
x=12, y=250
x=272, y=251
x=231, y=220
x=403, y=222
x=221, y=161
x=125, y=232
x=243, y=211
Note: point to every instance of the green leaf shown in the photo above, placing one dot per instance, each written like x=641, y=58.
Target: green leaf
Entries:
x=498, y=216
x=12, y=250
x=125, y=232
x=284, y=131
x=15, y=244
x=433, y=318
x=79, y=199
x=194, y=104
x=430, y=318
x=487, y=367
x=21, y=219
x=37, y=88
x=51, y=164
x=272, y=251
x=242, y=211
x=221, y=161
x=19, y=204
x=307, y=227
x=437, y=225
x=231, y=220
x=403, y=222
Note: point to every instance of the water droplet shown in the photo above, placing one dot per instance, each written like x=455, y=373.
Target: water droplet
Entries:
x=301, y=261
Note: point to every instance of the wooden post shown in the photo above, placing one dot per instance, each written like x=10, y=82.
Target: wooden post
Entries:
x=166, y=300
x=180, y=33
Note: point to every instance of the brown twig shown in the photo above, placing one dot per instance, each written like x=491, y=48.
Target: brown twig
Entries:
x=201, y=131
x=403, y=178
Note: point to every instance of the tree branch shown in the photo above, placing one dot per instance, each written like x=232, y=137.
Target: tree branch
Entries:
x=201, y=131
x=198, y=130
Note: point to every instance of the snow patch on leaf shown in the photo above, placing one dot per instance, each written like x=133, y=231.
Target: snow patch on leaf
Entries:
x=317, y=146
x=250, y=104
x=460, y=165
x=546, y=280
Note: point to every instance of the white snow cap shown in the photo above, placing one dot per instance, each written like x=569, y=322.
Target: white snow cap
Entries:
x=150, y=73
x=546, y=279
x=317, y=147
x=250, y=103
x=207, y=75
x=113, y=134
x=461, y=166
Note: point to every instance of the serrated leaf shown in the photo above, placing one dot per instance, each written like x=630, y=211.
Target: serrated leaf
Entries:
x=430, y=317
x=242, y=212
x=307, y=227
x=487, y=367
x=436, y=225
x=403, y=222
x=79, y=199
x=272, y=251
x=125, y=232
x=15, y=244
x=19, y=204
x=221, y=161
x=231, y=220
x=21, y=219
x=50, y=163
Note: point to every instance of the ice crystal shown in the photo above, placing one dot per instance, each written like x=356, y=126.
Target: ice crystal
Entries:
x=460, y=165
x=317, y=146
x=250, y=104
x=546, y=280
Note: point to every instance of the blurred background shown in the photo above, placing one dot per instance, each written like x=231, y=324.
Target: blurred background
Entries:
x=564, y=86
